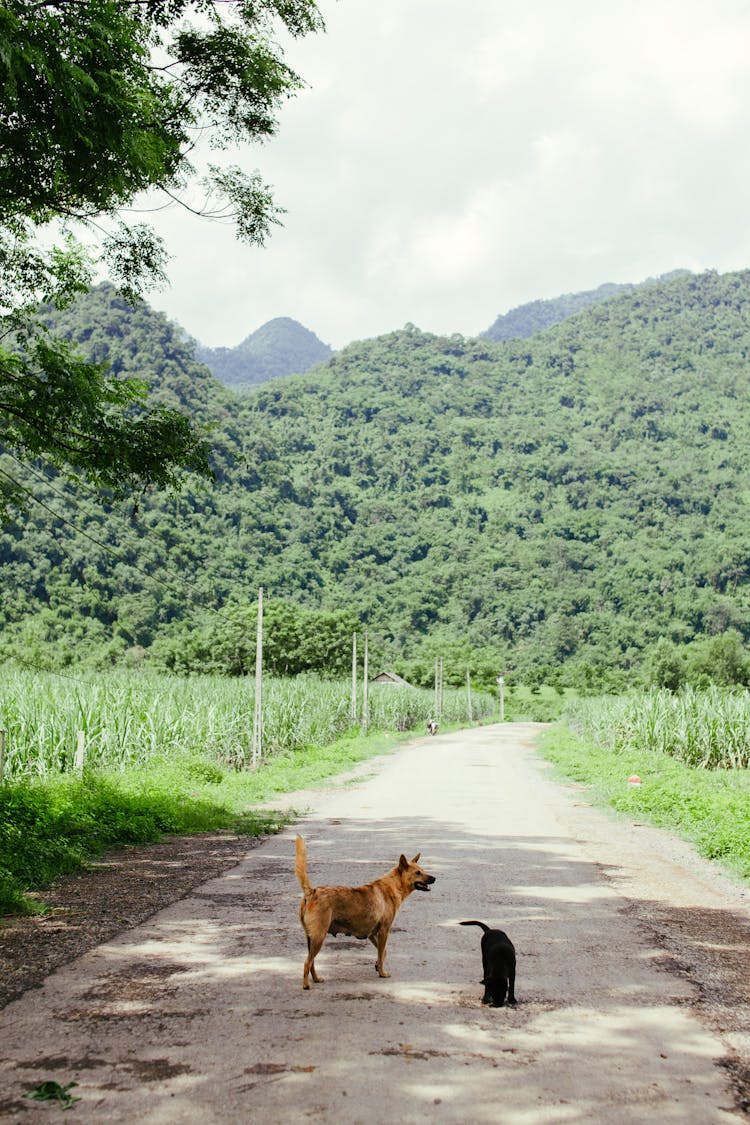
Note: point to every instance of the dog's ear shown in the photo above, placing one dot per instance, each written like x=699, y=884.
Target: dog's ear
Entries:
x=416, y=857
x=403, y=863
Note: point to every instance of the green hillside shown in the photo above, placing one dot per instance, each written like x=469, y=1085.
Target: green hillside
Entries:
x=525, y=320
x=547, y=508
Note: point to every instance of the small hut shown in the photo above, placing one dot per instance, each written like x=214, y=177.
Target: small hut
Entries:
x=390, y=678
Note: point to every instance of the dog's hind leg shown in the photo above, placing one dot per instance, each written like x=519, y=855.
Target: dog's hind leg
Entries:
x=512, y=986
x=500, y=993
x=313, y=949
x=494, y=991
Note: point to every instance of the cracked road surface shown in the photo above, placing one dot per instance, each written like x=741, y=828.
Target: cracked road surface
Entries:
x=199, y=1016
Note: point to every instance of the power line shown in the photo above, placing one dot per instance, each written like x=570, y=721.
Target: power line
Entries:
x=108, y=548
x=49, y=671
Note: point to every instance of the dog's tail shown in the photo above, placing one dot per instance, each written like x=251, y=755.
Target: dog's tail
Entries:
x=300, y=867
x=475, y=923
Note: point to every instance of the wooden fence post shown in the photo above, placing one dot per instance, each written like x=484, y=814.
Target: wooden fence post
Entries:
x=80, y=753
x=354, y=678
x=468, y=695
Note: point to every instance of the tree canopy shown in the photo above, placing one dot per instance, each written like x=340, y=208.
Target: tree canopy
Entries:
x=100, y=101
x=569, y=509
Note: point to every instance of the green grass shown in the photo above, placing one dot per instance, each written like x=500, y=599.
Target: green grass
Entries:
x=711, y=808
x=543, y=704
x=53, y=825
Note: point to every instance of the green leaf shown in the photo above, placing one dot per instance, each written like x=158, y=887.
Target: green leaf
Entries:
x=52, y=1091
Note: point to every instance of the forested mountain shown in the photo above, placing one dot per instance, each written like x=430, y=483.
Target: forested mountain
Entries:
x=547, y=508
x=280, y=347
x=525, y=320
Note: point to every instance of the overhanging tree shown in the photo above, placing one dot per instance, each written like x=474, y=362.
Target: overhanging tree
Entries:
x=101, y=101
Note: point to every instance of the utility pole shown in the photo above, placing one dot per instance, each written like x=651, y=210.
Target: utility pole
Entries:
x=501, y=687
x=438, y=688
x=354, y=679
x=468, y=695
x=436, y=704
x=365, y=696
x=258, y=715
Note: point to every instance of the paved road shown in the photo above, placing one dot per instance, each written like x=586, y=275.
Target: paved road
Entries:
x=198, y=1016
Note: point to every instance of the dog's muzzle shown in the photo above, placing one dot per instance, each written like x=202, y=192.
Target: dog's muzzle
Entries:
x=424, y=886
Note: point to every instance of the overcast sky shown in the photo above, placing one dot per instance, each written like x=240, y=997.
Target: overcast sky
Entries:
x=452, y=159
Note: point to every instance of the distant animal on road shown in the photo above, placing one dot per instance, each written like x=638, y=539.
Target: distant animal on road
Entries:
x=432, y=727
x=498, y=965
x=366, y=911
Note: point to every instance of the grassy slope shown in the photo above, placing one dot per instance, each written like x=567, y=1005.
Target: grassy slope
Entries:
x=711, y=808
x=48, y=829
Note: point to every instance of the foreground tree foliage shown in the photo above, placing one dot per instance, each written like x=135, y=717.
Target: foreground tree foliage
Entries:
x=101, y=101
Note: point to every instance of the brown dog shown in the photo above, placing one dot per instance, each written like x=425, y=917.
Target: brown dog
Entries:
x=363, y=912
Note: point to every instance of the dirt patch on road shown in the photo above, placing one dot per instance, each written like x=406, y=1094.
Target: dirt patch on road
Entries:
x=711, y=949
x=113, y=894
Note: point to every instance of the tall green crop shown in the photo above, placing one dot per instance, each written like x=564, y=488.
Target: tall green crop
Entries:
x=709, y=728
x=136, y=720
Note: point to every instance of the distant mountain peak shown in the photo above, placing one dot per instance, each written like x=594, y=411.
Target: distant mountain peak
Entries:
x=281, y=346
x=525, y=320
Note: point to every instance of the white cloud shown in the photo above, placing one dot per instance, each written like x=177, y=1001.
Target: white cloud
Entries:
x=449, y=162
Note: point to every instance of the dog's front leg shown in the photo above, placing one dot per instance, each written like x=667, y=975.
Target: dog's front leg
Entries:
x=380, y=940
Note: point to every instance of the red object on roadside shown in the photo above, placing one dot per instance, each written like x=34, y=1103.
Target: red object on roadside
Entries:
x=634, y=779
